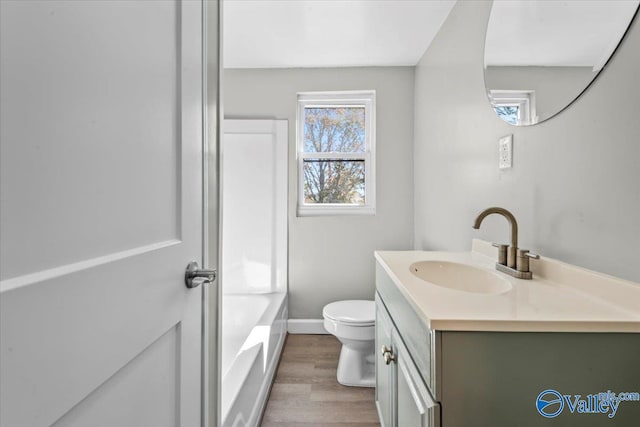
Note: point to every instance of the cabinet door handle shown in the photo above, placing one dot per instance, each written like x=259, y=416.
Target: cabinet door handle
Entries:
x=387, y=354
x=389, y=357
x=385, y=349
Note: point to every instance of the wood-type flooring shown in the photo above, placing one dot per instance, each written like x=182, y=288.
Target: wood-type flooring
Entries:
x=306, y=393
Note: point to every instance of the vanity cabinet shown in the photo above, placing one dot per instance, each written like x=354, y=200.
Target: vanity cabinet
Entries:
x=496, y=377
x=402, y=398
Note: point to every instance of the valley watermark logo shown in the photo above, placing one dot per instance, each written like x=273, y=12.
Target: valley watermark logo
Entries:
x=551, y=403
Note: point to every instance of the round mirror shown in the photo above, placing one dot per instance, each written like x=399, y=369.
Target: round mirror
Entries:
x=541, y=55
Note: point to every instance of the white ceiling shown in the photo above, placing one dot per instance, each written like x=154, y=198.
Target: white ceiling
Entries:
x=556, y=33
x=329, y=33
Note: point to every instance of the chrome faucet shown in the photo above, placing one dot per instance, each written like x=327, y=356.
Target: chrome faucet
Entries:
x=511, y=260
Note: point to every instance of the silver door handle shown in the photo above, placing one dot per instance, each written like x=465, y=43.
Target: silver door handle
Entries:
x=194, y=276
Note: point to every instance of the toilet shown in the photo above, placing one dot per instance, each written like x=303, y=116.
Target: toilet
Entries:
x=353, y=323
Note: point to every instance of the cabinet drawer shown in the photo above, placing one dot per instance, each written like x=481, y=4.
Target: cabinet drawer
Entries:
x=415, y=334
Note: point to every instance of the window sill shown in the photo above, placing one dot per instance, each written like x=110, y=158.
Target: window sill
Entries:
x=328, y=210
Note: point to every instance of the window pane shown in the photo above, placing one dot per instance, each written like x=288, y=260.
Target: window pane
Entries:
x=334, y=129
x=334, y=181
x=508, y=113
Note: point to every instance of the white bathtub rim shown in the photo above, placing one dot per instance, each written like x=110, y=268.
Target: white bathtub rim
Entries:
x=267, y=317
x=265, y=389
x=275, y=313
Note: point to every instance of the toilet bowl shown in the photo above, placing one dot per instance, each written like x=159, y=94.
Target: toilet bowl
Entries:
x=353, y=323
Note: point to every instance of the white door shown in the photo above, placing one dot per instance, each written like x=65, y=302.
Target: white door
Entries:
x=101, y=210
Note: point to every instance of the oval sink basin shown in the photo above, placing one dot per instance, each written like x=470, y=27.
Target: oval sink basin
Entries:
x=461, y=277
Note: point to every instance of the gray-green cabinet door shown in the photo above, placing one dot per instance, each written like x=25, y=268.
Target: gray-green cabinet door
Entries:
x=385, y=374
x=415, y=407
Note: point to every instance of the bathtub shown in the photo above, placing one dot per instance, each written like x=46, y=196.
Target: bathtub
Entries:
x=253, y=332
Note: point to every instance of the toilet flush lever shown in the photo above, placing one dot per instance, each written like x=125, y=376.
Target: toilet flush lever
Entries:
x=194, y=276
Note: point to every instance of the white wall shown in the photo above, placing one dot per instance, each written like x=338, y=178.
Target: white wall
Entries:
x=331, y=258
x=575, y=185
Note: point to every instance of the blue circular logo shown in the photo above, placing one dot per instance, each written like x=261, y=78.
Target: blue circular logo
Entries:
x=549, y=403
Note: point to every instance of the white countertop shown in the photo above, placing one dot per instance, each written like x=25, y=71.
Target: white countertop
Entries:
x=559, y=298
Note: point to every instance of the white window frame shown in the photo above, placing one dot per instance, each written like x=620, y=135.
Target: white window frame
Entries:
x=525, y=100
x=364, y=99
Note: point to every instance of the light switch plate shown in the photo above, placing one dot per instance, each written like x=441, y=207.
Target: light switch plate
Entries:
x=505, y=150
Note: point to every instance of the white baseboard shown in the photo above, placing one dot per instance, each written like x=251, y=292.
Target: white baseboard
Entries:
x=306, y=326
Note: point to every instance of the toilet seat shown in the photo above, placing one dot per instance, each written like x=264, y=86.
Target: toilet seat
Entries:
x=351, y=312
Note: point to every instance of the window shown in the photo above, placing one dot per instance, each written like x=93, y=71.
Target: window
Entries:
x=335, y=144
x=514, y=107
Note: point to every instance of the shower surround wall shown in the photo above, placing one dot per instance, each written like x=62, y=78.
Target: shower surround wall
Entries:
x=574, y=186
x=331, y=257
x=254, y=264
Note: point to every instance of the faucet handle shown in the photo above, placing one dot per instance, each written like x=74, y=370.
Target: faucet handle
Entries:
x=502, y=252
x=522, y=259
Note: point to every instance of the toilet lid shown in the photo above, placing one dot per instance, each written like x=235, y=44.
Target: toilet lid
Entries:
x=351, y=312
